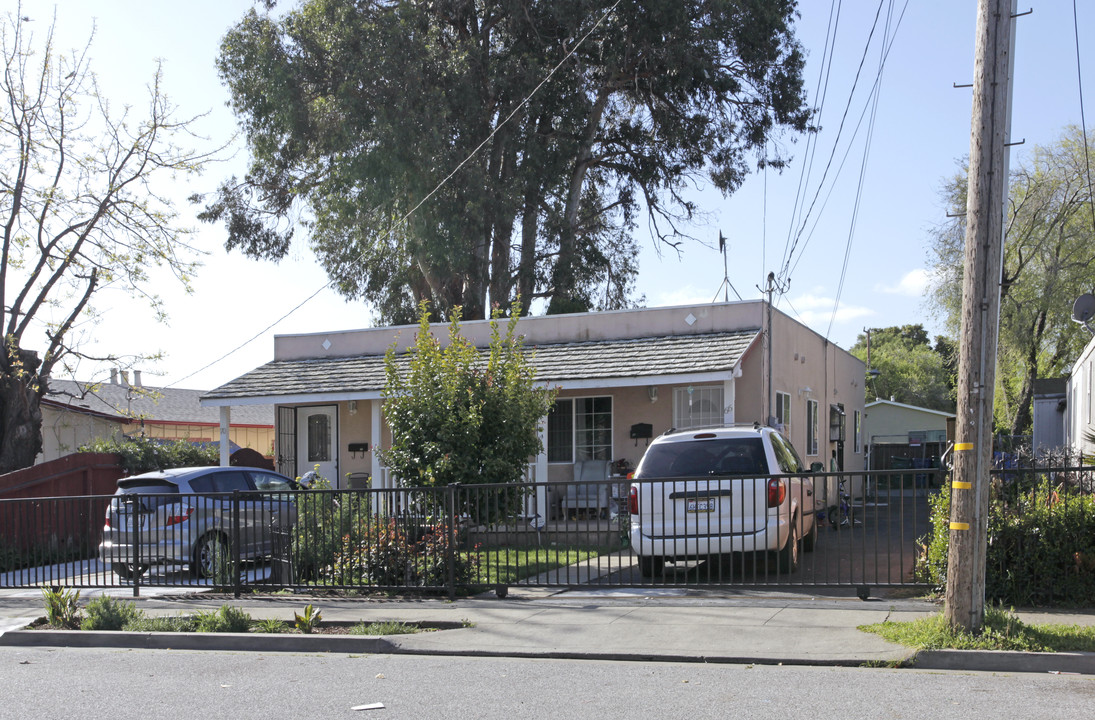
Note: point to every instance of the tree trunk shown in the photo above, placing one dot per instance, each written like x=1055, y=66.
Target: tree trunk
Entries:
x=20, y=414
x=562, y=289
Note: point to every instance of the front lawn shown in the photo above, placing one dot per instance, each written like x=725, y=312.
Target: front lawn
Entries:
x=510, y=565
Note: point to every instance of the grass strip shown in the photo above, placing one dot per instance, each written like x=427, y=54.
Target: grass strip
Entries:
x=1002, y=631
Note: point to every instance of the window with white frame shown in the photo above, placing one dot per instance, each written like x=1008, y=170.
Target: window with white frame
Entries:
x=697, y=407
x=858, y=430
x=580, y=429
x=783, y=411
x=811, y=427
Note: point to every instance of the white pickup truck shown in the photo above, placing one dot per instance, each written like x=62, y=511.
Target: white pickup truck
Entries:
x=698, y=494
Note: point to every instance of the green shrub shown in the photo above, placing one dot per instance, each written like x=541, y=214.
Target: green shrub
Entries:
x=324, y=520
x=931, y=560
x=141, y=455
x=390, y=627
x=461, y=416
x=269, y=625
x=176, y=623
x=108, y=613
x=391, y=554
x=62, y=607
x=1041, y=544
x=226, y=619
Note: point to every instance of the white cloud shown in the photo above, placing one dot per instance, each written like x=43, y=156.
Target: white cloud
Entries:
x=816, y=310
x=912, y=284
x=686, y=295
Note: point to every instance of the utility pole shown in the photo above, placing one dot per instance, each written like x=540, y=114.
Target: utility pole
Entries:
x=771, y=286
x=987, y=197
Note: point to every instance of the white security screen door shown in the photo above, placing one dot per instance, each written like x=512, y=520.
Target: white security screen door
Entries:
x=317, y=441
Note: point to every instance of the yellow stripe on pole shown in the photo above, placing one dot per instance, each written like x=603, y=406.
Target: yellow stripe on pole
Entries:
x=961, y=485
x=960, y=526
x=963, y=446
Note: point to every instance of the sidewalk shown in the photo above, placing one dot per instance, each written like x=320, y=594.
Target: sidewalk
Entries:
x=667, y=625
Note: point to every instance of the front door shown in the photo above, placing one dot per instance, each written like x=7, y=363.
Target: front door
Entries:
x=317, y=441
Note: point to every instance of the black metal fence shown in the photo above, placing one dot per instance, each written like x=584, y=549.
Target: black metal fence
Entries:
x=832, y=529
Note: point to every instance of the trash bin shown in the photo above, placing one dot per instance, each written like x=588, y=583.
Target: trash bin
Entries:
x=358, y=480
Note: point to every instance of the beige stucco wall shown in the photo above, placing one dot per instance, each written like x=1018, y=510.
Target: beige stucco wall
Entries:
x=63, y=432
x=808, y=367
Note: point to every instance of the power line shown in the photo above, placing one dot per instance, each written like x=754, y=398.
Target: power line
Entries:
x=862, y=174
x=403, y=220
x=1083, y=121
x=888, y=45
x=822, y=91
x=785, y=272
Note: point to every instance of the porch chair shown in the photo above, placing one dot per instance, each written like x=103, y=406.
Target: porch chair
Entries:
x=588, y=492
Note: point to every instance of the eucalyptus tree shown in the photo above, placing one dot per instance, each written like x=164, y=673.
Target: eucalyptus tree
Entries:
x=549, y=128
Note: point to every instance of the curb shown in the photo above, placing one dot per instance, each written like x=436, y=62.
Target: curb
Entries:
x=245, y=642
x=349, y=644
x=1063, y=663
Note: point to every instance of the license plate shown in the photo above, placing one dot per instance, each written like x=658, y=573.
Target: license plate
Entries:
x=699, y=505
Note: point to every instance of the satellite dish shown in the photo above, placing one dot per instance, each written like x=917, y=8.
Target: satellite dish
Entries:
x=1084, y=308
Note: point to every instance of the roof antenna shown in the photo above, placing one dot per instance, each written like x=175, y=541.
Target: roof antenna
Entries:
x=726, y=286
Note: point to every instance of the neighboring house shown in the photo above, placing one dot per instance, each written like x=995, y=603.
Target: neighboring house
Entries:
x=74, y=413
x=1080, y=411
x=623, y=377
x=898, y=431
x=1050, y=404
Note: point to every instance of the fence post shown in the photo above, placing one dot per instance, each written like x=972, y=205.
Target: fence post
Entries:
x=450, y=541
x=135, y=522
x=236, y=543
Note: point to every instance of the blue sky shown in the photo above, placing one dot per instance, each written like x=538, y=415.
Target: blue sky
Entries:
x=920, y=132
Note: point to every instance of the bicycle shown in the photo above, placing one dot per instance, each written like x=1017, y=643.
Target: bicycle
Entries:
x=843, y=513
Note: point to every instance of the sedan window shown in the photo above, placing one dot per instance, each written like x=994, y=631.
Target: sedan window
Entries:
x=268, y=482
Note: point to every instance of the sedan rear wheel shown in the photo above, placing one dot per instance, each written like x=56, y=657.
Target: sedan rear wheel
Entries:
x=210, y=554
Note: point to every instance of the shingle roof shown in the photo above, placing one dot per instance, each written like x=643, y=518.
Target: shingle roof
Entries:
x=151, y=403
x=600, y=360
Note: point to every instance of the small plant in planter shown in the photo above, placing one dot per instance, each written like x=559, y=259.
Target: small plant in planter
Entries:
x=269, y=625
x=62, y=607
x=308, y=620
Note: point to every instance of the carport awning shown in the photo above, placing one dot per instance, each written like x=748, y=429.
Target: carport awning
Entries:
x=603, y=363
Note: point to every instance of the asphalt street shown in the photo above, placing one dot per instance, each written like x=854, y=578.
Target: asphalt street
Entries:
x=141, y=684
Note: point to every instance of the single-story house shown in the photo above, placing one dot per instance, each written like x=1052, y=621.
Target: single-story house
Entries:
x=623, y=377
x=75, y=413
x=899, y=434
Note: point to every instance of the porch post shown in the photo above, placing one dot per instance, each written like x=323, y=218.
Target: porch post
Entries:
x=374, y=443
x=729, y=387
x=226, y=421
x=541, y=473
